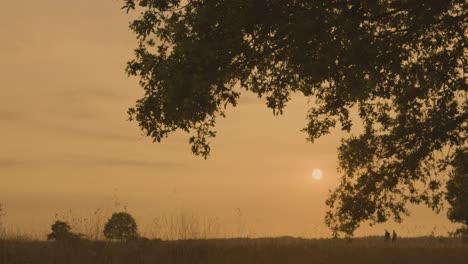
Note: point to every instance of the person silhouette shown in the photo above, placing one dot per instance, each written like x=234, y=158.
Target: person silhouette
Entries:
x=394, y=236
x=387, y=235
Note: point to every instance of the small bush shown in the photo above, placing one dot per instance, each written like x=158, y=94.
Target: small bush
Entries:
x=61, y=231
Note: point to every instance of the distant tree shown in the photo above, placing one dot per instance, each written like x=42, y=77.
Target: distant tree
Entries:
x=399, y=65
x=121, y=226
x=61, y=231
x=457, y=192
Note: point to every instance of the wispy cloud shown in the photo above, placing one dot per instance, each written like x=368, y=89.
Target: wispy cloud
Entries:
x=113, y=162
x=89, y=92
x=8, y=115
x=14, y=163
x=251, y=99
x=92, y=134
x=67, y=130
x=79, y=160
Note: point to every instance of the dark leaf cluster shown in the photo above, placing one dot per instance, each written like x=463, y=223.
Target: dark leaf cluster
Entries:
x=457, y=190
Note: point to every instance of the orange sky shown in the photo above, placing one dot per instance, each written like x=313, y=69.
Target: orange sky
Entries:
x=66, y=144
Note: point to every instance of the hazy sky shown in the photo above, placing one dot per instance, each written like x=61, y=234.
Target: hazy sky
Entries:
x=66, y=144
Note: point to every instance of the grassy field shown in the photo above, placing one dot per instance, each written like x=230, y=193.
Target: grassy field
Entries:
x=239, y=251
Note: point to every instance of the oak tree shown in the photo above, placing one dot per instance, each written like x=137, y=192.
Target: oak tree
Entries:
x=399, y=65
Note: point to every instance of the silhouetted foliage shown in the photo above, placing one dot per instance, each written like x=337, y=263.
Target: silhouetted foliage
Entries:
x=398, y=64
x=121, y=226
x=461, y=232
x=61, y=231
x=457, y=192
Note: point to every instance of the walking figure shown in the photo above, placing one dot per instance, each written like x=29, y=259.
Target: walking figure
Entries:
x=394, y=236
x=387, y=235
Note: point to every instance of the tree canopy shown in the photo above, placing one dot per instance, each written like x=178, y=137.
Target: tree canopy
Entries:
x=399, y=64
x=121, y=226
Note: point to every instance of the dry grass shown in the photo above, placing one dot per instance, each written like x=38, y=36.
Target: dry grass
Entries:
x=266, y=250
x=184, y=241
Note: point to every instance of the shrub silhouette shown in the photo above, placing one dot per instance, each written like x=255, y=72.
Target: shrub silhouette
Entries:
x=121, y=226
x=61, y=231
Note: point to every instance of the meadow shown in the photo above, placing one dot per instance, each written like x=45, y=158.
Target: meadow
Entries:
x=238, y=250
x=185, y=238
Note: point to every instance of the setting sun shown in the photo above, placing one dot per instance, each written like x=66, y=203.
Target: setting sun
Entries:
x=317, y=174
